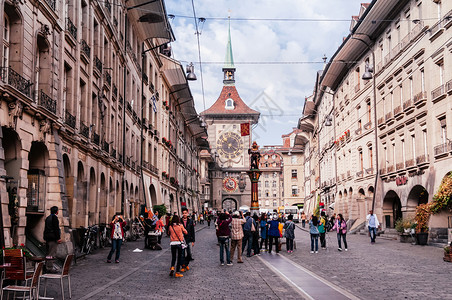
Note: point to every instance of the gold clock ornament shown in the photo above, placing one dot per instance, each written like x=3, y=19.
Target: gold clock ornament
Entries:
x=229, y=145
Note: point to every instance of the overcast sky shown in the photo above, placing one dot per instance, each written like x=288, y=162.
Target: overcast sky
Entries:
x=276, y=90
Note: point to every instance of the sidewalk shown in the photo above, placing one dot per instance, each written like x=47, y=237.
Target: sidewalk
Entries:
x=384, y=270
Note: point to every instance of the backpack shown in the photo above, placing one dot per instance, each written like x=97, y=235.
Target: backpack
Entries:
x=322, y=226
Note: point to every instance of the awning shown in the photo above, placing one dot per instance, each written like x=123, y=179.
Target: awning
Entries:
x=174, y=73
x=152, y=21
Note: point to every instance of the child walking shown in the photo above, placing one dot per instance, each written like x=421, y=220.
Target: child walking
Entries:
x=289, y=233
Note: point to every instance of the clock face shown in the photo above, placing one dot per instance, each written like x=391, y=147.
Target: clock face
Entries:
x=230, y=184
x=229, y=145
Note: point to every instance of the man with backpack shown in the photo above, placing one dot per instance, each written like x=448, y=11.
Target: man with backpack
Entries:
x=322, y=230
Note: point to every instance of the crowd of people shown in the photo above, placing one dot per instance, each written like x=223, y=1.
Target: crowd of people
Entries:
x=237, y=232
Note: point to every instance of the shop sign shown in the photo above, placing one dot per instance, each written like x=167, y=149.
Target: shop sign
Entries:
x=402, y=180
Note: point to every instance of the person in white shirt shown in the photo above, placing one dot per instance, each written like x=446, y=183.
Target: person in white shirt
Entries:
x=372, y=224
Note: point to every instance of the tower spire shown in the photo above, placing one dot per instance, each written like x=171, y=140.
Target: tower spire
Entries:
x=229, y=68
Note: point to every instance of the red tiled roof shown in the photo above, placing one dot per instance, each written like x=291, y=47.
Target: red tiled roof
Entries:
x=240, y=108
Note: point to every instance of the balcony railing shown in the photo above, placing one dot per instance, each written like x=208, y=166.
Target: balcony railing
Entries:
x=84, y=130
x=51, y=3
x=129, y=106
x=368, y=125
x=400, y=166
x=381, y=121
x=133, y=165
x=409, y=163
x=359, y=174
x=420, y=97
x=121, y=101
x=146, y=165
x=71, y=29
x=390, y=169
x=84, y=48
x=382, y=171
x=14, y=79
x=407, y=105
x=108, y=6
x=113, y=152
x=449, y=86
x=442, y=149
x=47, y=102
x=96, y=139
x=115, y=90
x=115, y=21
x=398, y=111
x=421, y=159
x=128, y=161
x=438, y=92
x=153, y=169
x=369, y=171
x=388, y=116
x=98, y=64
x=120, y=157
x=69, y=119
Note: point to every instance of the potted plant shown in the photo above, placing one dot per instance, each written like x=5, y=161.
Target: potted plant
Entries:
x=448, y=253
x=422, y=218
x=403, y=226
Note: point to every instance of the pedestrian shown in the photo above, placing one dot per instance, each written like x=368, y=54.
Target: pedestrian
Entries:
x=117, y=236
x=52, y=236
x=303, y=219
x=314, y=231
x=274, y=234
x=333, y=220
x=247, y=234
x=224, y=234
x=372, y=224
x=167, y=222
x=208, y=219
x=341, y=229
x=159, y=228
x=177, y=232
x=189, y=226
x=322, y=230
x=264, y=231
x=201, y=219
x=255, y=233
x=237, y=235
x=289, y=233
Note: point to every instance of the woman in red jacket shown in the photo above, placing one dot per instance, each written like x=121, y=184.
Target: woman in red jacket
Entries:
x=117, y=236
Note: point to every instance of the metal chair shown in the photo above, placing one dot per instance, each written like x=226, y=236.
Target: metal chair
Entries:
x=33, y=289
x=17, y=269
x=64, y=273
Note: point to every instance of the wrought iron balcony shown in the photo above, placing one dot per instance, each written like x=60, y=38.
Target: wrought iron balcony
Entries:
x=407, y=105
x=409, y=163
x=128, y=161
x=84, y=130
x=390, y=169
x=98, y=64
x=442, y=149
x=359, y=174
x=84, y=48
x=146, y=165
x=151, y=87
x=438, y=92
x=106, y=146
x=133, y=165
x=368, y=125
x=398, y=111
x=422, y=159
x=120, y=157
x=358, y=131
x=113, y=152
x=400, y=166
x=51, y=3
x=129, y=107
x=14, y=79
x=369, y=171
x=420, y=98
x=69, y=119
x=381, y=121
x=108, y=78
x=47, y=102
x=388, y=116
x=121, y=101
x=96, y=139
x=145, y=78
x=153, y=169
x=71, y=29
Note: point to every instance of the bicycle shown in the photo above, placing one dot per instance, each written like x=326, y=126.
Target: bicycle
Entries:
x=89, y=240
x=104, y=236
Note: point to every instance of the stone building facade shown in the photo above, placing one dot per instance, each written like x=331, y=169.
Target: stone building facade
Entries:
x=271, y=181
x=407, y=57
x=74, y=132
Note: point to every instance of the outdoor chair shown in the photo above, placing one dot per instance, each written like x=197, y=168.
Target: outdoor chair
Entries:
x=33, y=289
x=17, y=269
x=64, y=273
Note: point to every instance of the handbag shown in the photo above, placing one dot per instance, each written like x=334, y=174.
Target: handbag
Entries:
x=182, y=243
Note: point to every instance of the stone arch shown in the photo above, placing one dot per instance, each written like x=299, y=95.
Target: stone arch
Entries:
x=12, y=164
x=392, y=209
x=80, y=203
x=69, y=182
x=103, y=199
x=229, y=204
x=361, y=193
x=152, y=195
x=370, y=191
x=92, y=200
x=417, y=195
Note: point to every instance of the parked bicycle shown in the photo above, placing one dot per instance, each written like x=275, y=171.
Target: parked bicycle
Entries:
x=88, y=243
x=104, y=235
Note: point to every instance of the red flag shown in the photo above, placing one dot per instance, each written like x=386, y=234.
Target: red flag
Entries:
x=245, y=129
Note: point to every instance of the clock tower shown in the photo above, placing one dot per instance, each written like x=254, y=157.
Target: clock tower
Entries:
x=231, y=187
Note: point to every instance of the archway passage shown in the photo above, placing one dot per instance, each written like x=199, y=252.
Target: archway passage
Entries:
x=153, y=195
x=229, y=204
x=392, y=209
x=418, y=195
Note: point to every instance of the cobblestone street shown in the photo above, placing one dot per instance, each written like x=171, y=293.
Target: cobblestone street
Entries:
x=386, y=270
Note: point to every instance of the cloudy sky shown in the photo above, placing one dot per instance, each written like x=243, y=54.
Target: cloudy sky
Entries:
x=276, y=90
